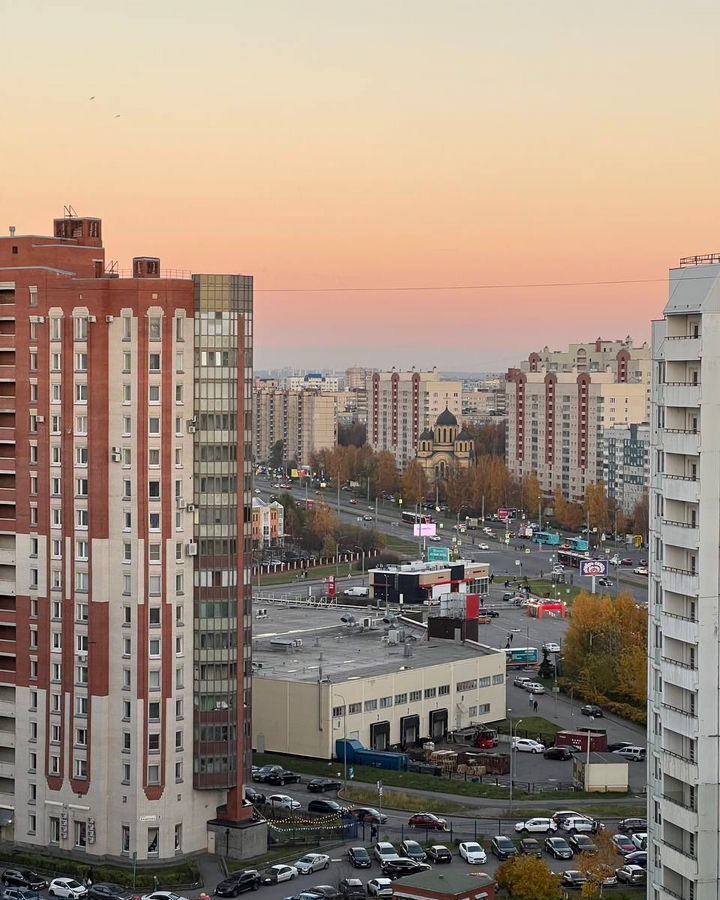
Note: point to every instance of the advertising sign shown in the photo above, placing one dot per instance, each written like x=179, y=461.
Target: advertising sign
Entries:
x=594, y=567
x=438, y=554
x=331, y=586
x=425, y=529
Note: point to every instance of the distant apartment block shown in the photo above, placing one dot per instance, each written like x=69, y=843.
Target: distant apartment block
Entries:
x=316, y=381
x=305, y=421
x=484, y=405
x=626, y=464
x=559, y=404
x=356, y=378
x=402, y=405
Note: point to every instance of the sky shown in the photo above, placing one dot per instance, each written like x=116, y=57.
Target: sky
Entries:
x=324, y=145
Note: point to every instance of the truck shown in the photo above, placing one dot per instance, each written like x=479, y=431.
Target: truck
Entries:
x=472, y=524
x=578, y=740
x=521, y=656
x=353, y=752
x=474, y=736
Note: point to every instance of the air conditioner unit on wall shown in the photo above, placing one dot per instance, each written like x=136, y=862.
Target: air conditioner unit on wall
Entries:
x=191, y=548
x=190, y=507
x=180, y=503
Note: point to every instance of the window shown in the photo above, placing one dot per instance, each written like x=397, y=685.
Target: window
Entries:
x=154, y=457
x=415, y=696
x=485, y=681
x=81, y=518
x=126, y=393
x=155, y=585
x=32, y=824
x=33, y=454
x=154, y=490
x=178, y=772
x=127, y=426
x=126, y=775
x=81, y=706
x=80, y=772
x=127, y=709
x=55, y=486
x=81, y=362
x=178, y=456
x=154, y=646
x=127, y=361
x=179, y=583
x=81, y=549
x=385, y=702
x=127, y=521
x=33, y=392
x=56, y=671
x=55, y=329
x=354, y=708
x=126, y=741
x=127, y=647
x=430, y=693
x=127, y=328
x=81, y=424
x=34, y=486
x=443, y=690
x=179, y=645
x=154, y=521
x=127, y=552
x=81, y=456
x=154, y=426
x=179, y=362
x=55, y=734
x=56, y=455
x=154, y=362
x=154, y=615
x=370, y=705
x=178, y=393
x=55, y=362
x=498, y=679
x=127, y=615
x=127, y=489
x=81, y=487
x=33, y=731
x=179, y=335
x=126, y=456
x=178, y=551
x=178, y=838
x=154, y=680
x=81, y=329
x=57, y=640
x=81, y=612
x=338, y=712
x=154, y=553
x=33, y=360
x=483, y=708
x=463, y=686
x=154, y=393
x=154, y=711
x=81, y=393
x=179, y=677
x=55, y=393
x=54, y=764
x=54, y=829
x=154, y=743
x=154, y=328
x=127, y=682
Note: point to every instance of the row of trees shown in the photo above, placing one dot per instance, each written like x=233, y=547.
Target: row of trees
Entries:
x=605, y=651
x=319, y=530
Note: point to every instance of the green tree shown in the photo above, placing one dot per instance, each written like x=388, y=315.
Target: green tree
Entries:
x=528, y=878
x=276, y=455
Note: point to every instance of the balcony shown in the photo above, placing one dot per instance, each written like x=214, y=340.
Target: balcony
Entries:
x=680, y=534
x=680, y=581
x=682, y=674
x=680, y=440
x=679, y=720
x=679, y=861
x=680, y=347
x=679, y=767
x=685, y=394
x=681, y=487
x=675, y=809
x=680, y=628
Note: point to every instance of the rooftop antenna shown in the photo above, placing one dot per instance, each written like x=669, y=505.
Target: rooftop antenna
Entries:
x=69, y=212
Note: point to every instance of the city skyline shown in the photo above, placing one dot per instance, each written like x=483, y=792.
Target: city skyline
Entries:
x=298, y=147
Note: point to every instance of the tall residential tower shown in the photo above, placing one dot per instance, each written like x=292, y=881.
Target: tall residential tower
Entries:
x=684, y=652
x=125, y=489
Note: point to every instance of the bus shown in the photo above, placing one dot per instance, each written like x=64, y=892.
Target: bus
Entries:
x=571, y=558
x=551, y=538
x=411, y=518
x=521, y=656
x=580, y=545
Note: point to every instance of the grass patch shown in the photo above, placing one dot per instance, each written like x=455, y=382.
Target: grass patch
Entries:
x=290, y=577
x=397, y=800
x=400, y=545
x=530, y=724
x=183, y=875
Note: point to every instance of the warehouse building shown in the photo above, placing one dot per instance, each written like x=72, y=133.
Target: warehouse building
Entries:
x=324, y=674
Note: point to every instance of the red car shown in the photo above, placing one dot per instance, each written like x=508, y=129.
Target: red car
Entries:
x=428, y=820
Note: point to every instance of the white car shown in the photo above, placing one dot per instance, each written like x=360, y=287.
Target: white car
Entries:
x=521, y=680
x=527, y=745
x=534, y=687
x=276, y=874
x=282, y=801
x=312, y=862
x=483, y=546
x=385, y=851
x=536, y=826
x=67, y=887
x=380, y=887
x=639, y=838
x=640, y=570
x=472, y=853
x=162, y=895
x=552, y=647
x=434, y=538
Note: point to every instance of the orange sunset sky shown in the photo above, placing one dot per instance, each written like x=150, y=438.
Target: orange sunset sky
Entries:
x=379, y=144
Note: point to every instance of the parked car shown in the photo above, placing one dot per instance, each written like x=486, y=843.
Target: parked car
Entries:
x=578, y=824
x=327, y=807
x=439, y=853
x=638, y=858
x=492, y=613
x=591, y=709
x=283, y=801
x=19, y=893
x=626, y=561
x=283, y=777
x=312, y=862
x=162, y=895
x=368, y=814
x=368, y=518
x=639, y=838
x=552, y=647
x=278, y=873
x=565, y=814
x=531, y=847
x=413, y=850
x=502, y=847
x=536, y=826
x=352, y=889
x=527, y=745
x=23, y=878
x=632, y=753
x=534, y=687
x=629, y=826
x=604, y=582
x=359, y=858
x=429, y=821
x=106, y=890
x=472, y=853
x=325, y=891
x=67, y=887
x=320, y=785
x=571, y=878
x=483, y=546
x=623, y=845
x=380, y=887
x=558, y=848
x=581, y=843
x=253, y=796
x=631, y=874
x=561, y=753
x=618, y=745
x=262, y=773
x=384, y=851
x=521, y=680
x=399, y=868
x=247, y=880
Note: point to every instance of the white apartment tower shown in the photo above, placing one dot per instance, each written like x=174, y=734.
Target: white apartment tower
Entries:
x=684, y=647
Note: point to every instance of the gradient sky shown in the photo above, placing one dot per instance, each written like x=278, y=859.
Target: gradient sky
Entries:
x=382, y=143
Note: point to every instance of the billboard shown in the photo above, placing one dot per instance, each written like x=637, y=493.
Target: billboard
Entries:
x=593, y=567
x=438, y=554
x=425, y=529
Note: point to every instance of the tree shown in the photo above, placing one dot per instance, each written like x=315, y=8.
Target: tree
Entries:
x=533, y=500
x=598, y=866
x=354, y=435
x=641, y=516
x=387, y=478
x=597, y=508
x=528, y=878
x=276, y=455
x=414, y=483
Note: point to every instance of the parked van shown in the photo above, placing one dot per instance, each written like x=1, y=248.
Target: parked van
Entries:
x=636, y=754
x=356, y=592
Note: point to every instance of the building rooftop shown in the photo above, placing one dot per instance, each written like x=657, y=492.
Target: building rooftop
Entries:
x=446, y=881
x=296, y=642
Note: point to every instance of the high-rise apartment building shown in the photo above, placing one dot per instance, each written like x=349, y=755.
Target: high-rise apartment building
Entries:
x=125, y=440
x=684, y=652
x=626, y=464
x=305, y=422
x=559, y=404
x=401, y=405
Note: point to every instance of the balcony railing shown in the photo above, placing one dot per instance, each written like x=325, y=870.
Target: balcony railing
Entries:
x=680, y=850
x=680, y=430
x=678, y=571
x=679, y=477
x=676, y=662
x=686, y=759
x=679, y=524
x=678, y=802
x=682, y=383
x=682, y=337
x=678, y=616
x=683, y=712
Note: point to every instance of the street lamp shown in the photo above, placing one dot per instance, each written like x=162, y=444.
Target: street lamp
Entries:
x=513, y=751
x=344, y=709
x=587, y=749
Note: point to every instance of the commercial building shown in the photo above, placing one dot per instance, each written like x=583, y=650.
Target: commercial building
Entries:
x=626, y=464
x=124, y=525
x=401, y=405
x=445, y=883
x=372, y=677
x=304, y=421
x=560, y=403
x=684, y=654
x=421, y=582
x=268, y=523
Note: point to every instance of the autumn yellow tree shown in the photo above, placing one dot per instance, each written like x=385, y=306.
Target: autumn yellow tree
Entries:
x=533, y=497
x=528, y=878
x=387, y=477
x=597, y=866
x=414, y=483
x=597, y=508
